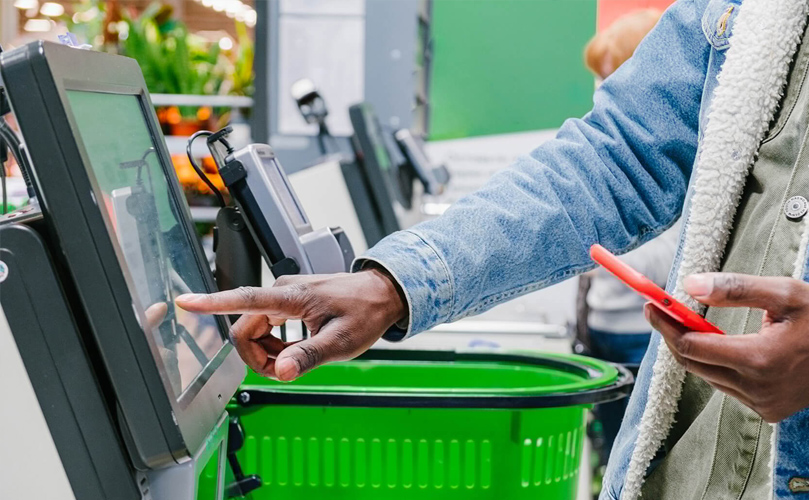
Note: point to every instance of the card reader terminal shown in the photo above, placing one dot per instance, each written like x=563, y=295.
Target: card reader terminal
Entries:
x=276, y=218
x=434, y=178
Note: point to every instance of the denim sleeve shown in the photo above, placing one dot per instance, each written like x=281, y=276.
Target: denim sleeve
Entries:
x=617, y=177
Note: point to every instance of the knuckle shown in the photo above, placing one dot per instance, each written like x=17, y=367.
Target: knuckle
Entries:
x=793, y=289
x=247, y=294
x=735, y=287
x=794, y=294
x=760, y=363
x=283, y=280
x=296, y=293
x=684, y=346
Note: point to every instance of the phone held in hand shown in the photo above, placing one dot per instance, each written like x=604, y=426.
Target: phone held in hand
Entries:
x=649, y=290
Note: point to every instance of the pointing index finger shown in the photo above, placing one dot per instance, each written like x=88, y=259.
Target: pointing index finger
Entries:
x=287, y=301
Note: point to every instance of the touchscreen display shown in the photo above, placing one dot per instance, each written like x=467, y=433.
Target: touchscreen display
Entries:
x=155, y=249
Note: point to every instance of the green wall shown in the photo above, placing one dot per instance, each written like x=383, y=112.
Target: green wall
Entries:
x=508, y=65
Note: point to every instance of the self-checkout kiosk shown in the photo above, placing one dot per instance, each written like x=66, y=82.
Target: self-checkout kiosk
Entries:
x=376, y=190
x=132, y=390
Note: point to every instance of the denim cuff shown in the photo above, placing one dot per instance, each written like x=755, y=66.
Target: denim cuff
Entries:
x=421, y=273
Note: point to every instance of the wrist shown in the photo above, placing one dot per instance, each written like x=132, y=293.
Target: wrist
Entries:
x=394, y=297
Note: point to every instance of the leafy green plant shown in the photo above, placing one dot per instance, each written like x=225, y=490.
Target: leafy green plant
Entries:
x=173, y=60
x=243, y=77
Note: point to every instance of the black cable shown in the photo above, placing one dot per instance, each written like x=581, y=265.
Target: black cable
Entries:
x=199, y=171
x=321, y=143
x=228, y=147
x=13, y=143
x=5, y=191
x=322, y=134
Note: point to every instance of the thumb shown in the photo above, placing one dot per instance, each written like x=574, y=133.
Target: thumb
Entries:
x=772, y=294
x=328, y=345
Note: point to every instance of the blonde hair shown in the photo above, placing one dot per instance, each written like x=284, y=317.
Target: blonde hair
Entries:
x=610, y=48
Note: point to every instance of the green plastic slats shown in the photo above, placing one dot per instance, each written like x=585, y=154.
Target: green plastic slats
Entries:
x=485, y=464
x=560, y=457
x=266, y=470
x=345, y=463
x=577, y=445
x=329, y=462
x=438, y=461
x=550, y=459
x=376, y=463
x=391, y=465
x=527, y=455
x=407, y=463
x=250, y=453
x=539, y=462
x=424, y=463
x=454, y=464
x=313, y=462
x=362, y=463
x=469, y=464
x=297, y=461
x=282, y=461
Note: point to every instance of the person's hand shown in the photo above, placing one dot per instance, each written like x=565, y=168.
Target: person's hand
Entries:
x=768, y=370
x=155, y=314
x=345, y=314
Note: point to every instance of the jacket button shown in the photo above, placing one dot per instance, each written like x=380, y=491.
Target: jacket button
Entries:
x=796, y=207
x=799, y=485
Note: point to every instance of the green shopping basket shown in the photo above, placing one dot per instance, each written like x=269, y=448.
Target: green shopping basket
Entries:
x=424, y=424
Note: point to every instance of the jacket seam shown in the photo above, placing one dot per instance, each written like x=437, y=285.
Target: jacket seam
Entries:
x=780, y=125
x=447, y=272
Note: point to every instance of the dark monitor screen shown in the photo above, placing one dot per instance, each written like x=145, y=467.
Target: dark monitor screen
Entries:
x=376, y=163
x=155, y=252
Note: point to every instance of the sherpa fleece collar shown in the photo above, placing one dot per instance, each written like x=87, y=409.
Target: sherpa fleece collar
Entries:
x=751, y=83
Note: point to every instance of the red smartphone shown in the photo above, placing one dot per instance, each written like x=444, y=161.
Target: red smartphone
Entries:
x=648, y=289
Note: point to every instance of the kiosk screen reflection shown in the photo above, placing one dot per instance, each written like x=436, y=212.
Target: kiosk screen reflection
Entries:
x=143, y=217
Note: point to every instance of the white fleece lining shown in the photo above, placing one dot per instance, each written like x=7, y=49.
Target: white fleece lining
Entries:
x=765, y=37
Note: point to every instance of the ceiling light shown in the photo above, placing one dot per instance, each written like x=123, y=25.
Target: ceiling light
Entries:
x=26, y=4
x=38, y=26
x=250, y=18
x=89, y=14
x=51, y=9
x=225, y=43
x=207, y=3
x=233, y=7
x=219, y=5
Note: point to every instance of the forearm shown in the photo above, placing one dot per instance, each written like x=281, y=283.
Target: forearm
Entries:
x=616, y=177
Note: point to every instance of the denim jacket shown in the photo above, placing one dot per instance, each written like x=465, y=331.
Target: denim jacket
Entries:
x=619, y=177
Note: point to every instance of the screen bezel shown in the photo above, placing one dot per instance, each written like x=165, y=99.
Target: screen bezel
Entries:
x=37, y=77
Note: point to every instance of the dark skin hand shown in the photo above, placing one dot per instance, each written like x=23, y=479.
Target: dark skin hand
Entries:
x=345, y=314
x=768, y=370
